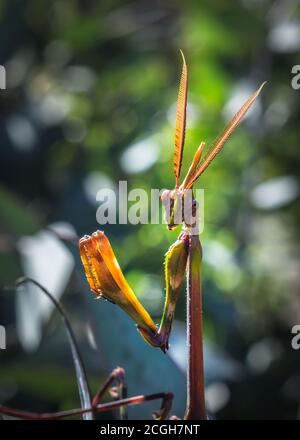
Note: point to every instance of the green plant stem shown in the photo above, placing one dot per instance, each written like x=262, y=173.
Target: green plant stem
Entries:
x=195, y=407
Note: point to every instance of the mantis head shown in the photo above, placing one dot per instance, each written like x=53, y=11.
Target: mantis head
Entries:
x=171, y=202
x=180, y=207
x=181, y=196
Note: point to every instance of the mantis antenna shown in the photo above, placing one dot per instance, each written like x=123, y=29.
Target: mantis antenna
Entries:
x=180, y=121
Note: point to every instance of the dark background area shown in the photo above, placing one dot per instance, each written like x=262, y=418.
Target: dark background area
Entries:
x=91, y=89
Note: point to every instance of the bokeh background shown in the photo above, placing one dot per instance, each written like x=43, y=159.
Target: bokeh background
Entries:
x=90, y=100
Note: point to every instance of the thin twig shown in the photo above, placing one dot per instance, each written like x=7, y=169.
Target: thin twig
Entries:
x=136, y=400
x=84, y=392
x=119, y=392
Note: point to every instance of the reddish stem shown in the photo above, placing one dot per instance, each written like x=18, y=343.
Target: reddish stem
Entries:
x=136, y=400
x=118, y=374
x=195, y=407
x=120, y=391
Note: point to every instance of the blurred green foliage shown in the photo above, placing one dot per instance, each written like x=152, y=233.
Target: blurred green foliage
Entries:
x=92, y=79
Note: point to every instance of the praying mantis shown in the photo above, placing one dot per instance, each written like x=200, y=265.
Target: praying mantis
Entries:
x=184, y=257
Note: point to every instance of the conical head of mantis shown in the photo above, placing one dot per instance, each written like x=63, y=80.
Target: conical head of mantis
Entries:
x=180, y=207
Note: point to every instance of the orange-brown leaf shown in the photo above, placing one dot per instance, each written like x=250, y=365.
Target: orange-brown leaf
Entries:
x=106, y=279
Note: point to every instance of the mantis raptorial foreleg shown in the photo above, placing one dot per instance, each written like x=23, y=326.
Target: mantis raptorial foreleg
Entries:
x=175, y=268
x=106, y=280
